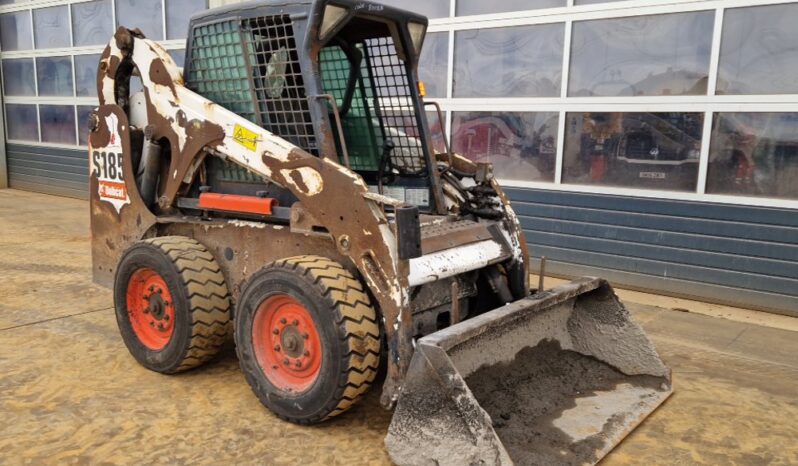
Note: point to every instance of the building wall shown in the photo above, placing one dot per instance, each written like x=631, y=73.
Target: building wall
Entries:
x=651, y=141
x=737, y=255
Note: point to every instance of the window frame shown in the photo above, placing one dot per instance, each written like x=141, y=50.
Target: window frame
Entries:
x=708, y=104
x=70, y=52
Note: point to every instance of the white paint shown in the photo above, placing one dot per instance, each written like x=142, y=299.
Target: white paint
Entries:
x=311, y=179
x=451, y=262
x=244, y=223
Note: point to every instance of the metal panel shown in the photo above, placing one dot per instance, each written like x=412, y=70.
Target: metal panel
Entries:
x=62, y=172
x=738, y=255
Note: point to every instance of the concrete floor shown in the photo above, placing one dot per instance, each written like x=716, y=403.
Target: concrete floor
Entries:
x=71, y=394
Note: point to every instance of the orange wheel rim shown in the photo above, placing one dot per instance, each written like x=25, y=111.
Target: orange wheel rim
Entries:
x=150, y=308
x=287, y=344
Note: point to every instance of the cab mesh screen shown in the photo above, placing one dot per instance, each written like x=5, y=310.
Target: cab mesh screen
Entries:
x=251, y=68
x=217, y=69
x=381, y=108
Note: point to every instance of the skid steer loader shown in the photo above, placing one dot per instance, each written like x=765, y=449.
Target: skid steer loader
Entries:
x=283, y=189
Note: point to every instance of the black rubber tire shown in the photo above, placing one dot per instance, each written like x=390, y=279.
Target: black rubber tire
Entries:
x=345, y=321
x=202, y=302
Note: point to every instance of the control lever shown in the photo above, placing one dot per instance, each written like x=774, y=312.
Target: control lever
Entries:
x=385, y=163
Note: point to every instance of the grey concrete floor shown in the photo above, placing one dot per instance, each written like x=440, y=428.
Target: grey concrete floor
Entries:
x=71, y=394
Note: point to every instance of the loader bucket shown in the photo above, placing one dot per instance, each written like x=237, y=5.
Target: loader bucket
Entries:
x=557, y=378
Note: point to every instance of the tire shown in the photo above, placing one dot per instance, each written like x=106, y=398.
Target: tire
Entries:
x=172, y=285
x=278, y=306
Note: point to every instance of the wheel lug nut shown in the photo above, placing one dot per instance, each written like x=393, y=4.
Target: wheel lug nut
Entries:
x=152, y=324
x=295, y=322
x=276, y=331
x=285, y=361
x=299, y=364
x=275, y=366
x=276, y=347
x=305, y=336
x=166, y=317
x=283, y=321
x=307, y=353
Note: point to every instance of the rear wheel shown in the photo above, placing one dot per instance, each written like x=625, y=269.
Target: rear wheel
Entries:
x=307, y=338
x=172, y=303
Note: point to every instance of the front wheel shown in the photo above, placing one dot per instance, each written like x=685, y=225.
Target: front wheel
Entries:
x=307, y=338
x=172, y=303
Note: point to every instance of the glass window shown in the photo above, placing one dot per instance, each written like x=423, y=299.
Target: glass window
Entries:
x=51, y=27
x=642, y=55
x=83, y=124
x=86, y=75
x=143, y=14
x=18, y=77
x=521, y=61
x=54, y=75
x=179, y=56
x=92, y=23
x=759, y=51
x=634, y=150
x=58, y=123
x=21, y=122
x=754, y=154
x=15, y=31
x=178, y=13
x=428, y=8
x=521, y=146
x=433, y=64
x=481, y=7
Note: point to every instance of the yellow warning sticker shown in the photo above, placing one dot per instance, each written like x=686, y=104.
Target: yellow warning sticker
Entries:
x=245, y=137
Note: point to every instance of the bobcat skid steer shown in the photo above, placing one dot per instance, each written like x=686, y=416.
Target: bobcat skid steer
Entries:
x=283, y=189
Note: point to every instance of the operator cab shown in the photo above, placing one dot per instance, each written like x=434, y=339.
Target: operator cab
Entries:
x=337, y=78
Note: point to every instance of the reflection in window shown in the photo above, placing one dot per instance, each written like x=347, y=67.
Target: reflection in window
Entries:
x=143, y=14
x=521, y=61
x=521, y=146
x=177, y=14
x=92, y=23
x=433, y=64
x=18, y=77
x=428, y=8
x=51, y=27
x=21, y=122
x=15, y=32
x=754, y=154
x=86, y=75
x=636, y=150
x=759, y=51
x=58, y=123
x=481, y=7
x=641, y=55
x=54, y=76
x=83, y=124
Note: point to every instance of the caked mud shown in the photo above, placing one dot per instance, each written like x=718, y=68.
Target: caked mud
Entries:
x=526, y=397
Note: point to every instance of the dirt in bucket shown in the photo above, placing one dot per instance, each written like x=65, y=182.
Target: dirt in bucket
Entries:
x=524, y=397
